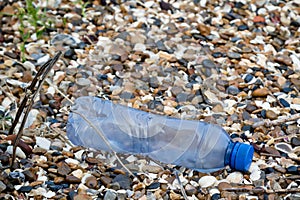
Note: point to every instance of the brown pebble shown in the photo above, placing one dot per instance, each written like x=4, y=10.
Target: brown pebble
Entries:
x=72, y=179
x=105, y=180
x=260, y=92
x=119, y=171
x=27, y=77
x=92, y=160
x=36, y=183
x=91, y=182
x=63, y=168
x=270, y=114
x=25, y=147
x=190, y=190
x=39, y=151
x=82, y=196
x=58, y=180
x=223, y=186
x=271, y=150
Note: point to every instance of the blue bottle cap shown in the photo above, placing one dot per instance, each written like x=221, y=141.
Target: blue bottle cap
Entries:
x=241, y=156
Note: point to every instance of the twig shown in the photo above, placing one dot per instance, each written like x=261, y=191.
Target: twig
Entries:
x=58, y=90
x=30, y=96
x=105, y=140
x=269, y=123
x=262, y=190
x=181, y=186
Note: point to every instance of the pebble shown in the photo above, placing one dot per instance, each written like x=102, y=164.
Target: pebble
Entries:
x=235, y=177
x=207, y=181
x=43, y=142
x=271, y=115
x=123, y=180
x=110, y=195
x=63, y=168
x=234, y=55
x=83, y=82
x=260, y=92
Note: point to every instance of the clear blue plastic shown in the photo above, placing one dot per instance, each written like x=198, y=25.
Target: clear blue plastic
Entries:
x=193, y=144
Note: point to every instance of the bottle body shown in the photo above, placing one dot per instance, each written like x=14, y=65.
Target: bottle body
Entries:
x=193, y=144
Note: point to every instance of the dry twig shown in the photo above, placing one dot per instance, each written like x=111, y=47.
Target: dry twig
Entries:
x=105, y=140
x=269, y=123
x=28, y=101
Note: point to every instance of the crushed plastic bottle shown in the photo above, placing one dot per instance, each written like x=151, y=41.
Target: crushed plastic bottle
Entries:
x=193, y=144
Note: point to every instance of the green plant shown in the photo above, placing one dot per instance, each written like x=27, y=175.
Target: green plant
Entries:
x=36, y=18
x=83, y=6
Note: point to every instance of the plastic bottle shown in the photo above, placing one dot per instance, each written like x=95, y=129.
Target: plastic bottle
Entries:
x=194, y=144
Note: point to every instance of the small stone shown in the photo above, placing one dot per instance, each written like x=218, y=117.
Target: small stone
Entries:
x=207, y=181
x=71, y=54
x=270, y=114
x=25, y=189
x=126, y=95
x=91, y=182
x=284, y=59
x=208, y=63
x=43, y=142
x=154, y=185
x=295, y=141
x=63, y=168
x=152, y=169
x=260, y=92
x=223, y=186
x=72, y=179
x=284, y=103
x=215, y=196
x=93, y=160
x=248, y=78
x=232, y=90
x=2, y=186
x=83, y=82
x=110, y=195
x=243, y=27
x=235, y=177
x=293, y=169
x=105, y=180
x=190, y=190
x=153, y=82
x=234, y=55
x=19, y=152
x=39, y=151
x=259, y=19
x=123, y=180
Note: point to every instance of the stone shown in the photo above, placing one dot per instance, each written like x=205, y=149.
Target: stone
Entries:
x=43, y=142
x=72, y=179
x=91, y=182
x=235, y=177
x=207, y=181
x=270, y=114
x=208, y=63
x=110, y=195
x=2, y=186
x=123, y=180
x=260, y=92
x=234, y=55
x=63, y=168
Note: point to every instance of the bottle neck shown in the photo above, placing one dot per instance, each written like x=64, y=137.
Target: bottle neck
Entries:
x=229, y=152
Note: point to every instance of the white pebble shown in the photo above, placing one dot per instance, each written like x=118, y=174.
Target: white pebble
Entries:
x=77, y=173
x=207, y=181
x=255, y=175
x=43, y=142
x=235, y=177
x=19, y=152
x=72, y=161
